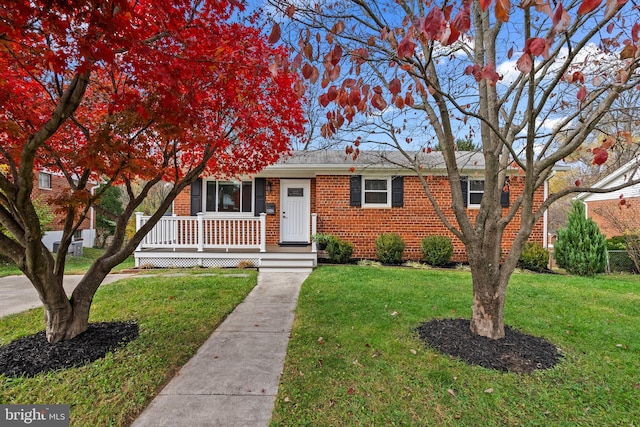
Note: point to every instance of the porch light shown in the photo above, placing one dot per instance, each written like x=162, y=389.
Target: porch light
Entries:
x=268, y=187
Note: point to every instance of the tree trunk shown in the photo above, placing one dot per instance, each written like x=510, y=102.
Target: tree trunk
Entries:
x=65, y=318
x=487, y=317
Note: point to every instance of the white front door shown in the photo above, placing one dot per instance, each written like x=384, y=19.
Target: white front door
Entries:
x=295, y=210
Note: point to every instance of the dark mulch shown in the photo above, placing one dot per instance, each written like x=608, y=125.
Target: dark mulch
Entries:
x=516, y=352
x=29, y=356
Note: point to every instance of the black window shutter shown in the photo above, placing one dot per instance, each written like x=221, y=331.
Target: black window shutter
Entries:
x=196, y=196
x=261, y=195
x=397, y=191
x=504, y=195
x=464, y=185
x=355, y=191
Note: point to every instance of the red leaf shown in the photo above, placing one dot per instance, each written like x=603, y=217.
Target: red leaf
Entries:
x=484, y=4
x=462, y=20
x=577, y=183
x=489, y=73
x=433, y=23
x=336, y=54
x=535, y=46
x=524, y=64
x=561, y=20
x=275, y=33
x=291, y=10
x=354, y=97
x=503, y=7
x=395, y=86
x=406, y=48
x=582, y=93
x=378, y=102
x=510, y=53
x=635, y=31
x=408, y=99
x=599, y=156
x=588, y=6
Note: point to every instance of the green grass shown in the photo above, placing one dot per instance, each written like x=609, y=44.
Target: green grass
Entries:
x=73, y=265
x=175, y=314
x=355, y=359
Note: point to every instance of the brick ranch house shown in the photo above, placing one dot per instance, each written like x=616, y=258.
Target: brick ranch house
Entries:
x=47, y=187
x=268, y=220
x=613, y=215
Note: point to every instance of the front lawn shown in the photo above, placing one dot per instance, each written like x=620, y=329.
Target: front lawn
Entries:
x=73, y=264
x=175, y=313
x=355, y=359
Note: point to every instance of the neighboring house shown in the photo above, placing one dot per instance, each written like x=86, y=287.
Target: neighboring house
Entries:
x=48, y=186
x=618, y=211
x=271, y=218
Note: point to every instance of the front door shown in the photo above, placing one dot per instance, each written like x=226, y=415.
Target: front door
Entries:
x=295, y=210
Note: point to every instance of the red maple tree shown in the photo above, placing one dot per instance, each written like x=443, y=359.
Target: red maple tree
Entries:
x=120, y=91
x=528, y=83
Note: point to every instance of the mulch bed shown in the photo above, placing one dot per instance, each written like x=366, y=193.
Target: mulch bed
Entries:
x=516, y=352
x=29, y=356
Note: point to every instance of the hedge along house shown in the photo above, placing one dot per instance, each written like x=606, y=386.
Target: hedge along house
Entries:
x=269, y=220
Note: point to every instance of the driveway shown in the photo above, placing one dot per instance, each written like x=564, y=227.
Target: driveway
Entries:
x=18, y=294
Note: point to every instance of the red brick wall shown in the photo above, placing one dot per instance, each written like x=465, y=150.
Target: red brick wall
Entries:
x=414, y=221
x=58, y=185
x=608, y=213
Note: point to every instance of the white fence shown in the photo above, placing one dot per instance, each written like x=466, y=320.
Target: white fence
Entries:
x=200, y=232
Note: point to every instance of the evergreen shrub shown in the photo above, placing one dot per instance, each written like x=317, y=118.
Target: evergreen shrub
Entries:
x=390, y=248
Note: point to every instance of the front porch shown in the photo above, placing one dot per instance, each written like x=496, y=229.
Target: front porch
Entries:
x=220, y=241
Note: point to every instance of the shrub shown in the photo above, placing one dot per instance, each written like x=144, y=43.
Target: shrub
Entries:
x=580, y=247
x=389, y=248
x=534, y=257
x=339, y=251
x=617, y=243
x=437, y=250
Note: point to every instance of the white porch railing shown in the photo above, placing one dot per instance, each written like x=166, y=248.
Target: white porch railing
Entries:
x=200, y=232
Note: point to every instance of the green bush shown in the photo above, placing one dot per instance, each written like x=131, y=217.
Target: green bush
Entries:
x=389, y=248
x=534, y=257
x=580, y=247
x=437, y=250
x=617, y=243
x=339, y=251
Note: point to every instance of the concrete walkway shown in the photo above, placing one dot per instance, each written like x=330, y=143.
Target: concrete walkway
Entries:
x=232, y=380
x=18, y=294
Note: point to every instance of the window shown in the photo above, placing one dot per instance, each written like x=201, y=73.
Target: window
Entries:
x=44, y=180
x=376, y=192
x=228, y=196
x=476, y=190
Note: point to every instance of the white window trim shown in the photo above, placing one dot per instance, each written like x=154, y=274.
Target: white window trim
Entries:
x=50, y=187
x=216, y=213
x=469, y=204
x=376, y=205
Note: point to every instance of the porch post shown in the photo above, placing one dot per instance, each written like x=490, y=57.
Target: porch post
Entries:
x=138, y=225
x=139, y=248
x=314, y=231
x=200, y=231
x=263, y=232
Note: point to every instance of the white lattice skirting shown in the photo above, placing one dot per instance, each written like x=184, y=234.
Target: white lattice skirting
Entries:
x=188, y=262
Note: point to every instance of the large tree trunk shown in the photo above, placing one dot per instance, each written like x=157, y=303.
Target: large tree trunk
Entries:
x=487, y=317
x=489, y=290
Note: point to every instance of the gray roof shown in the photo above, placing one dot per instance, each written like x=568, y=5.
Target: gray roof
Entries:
x=338, y=161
